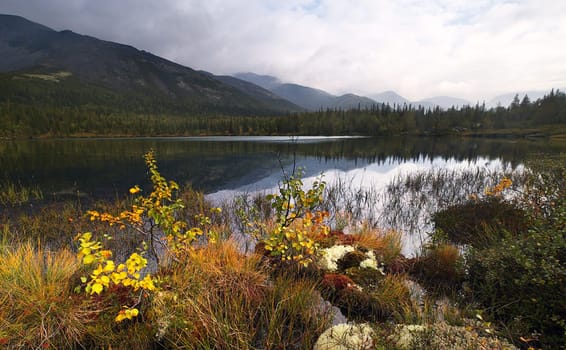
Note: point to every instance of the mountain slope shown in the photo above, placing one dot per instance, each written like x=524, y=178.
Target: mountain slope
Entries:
x=27, y=47
x=443, y=102
x=304, y=96
x=315, y=99
x=259, y=93
x=391, y=98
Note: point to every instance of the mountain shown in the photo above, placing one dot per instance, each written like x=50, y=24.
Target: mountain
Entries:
x=391, y=98
x=351, y=101
x=31, y=52
x=443, y=102
x=506, y=99
x=267, y=82
x=259, y=93
x=307, y=97
x=315, y=99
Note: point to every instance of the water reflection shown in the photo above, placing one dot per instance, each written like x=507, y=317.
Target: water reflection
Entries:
x=105, y=167
x=375, y=193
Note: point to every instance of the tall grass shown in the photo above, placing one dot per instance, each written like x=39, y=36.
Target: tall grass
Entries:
x=294, y=314
x=12, y=194
x=222, y=299
x=39, y=308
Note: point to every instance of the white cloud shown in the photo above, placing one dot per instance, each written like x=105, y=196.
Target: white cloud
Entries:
x=469, y=49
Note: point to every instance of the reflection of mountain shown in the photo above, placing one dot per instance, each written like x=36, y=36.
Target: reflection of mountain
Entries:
x=107, y=167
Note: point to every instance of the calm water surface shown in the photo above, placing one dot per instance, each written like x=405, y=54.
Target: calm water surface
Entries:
x=102, y=167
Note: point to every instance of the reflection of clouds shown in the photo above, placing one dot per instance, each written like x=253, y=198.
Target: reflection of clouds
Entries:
x=371, y=178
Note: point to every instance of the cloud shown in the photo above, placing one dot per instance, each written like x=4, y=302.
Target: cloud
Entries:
x=470, y=49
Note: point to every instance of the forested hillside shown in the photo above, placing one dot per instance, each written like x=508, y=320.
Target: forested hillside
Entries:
x=67, y=108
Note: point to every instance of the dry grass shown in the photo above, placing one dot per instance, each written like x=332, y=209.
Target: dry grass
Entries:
x=386, y=244
x=39, y=308
x=440, y=268
x=211, y=299
x=223, y=299
x=393, y=296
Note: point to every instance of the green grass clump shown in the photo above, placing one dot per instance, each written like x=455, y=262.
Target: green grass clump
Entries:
x=13, y=195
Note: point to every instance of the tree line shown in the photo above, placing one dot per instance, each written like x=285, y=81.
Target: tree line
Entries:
x=35, y=113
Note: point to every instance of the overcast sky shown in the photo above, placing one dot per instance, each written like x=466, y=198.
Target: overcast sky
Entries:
x=473, y=49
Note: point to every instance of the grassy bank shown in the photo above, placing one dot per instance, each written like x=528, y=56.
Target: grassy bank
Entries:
x=163, y=269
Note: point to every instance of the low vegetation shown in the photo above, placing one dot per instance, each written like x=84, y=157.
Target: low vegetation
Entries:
x=162, y=268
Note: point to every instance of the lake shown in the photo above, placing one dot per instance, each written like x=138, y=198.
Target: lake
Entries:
x=224, y=167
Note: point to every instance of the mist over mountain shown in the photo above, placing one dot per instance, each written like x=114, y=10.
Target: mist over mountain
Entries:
x=307, y=97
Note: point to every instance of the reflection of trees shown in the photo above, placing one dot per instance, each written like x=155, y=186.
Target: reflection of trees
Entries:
x=115, y=164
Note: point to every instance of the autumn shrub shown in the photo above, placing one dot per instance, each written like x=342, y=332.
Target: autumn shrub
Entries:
x=39, y=308
x=298, y=224
x=389, y=247
x=338, y=237
x=155, y=219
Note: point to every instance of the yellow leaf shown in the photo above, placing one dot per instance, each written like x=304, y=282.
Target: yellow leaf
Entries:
x=109, y=266
x=105, y=280
x=121, y=316
x=88, y=259
x=97, y=288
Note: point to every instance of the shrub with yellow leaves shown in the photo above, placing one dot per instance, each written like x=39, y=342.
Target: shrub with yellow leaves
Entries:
x=155, y=217
x=106, y=274
x=299, y=225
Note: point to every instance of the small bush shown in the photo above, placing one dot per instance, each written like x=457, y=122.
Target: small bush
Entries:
x=351, y=259
x=478, y=223
x=522, y=283
x=387, y=245
x=440, y=268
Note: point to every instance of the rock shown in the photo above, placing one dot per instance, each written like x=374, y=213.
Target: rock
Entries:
x=346, y=337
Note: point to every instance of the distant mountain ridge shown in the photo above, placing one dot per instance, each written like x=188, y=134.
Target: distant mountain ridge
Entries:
x=307, y=97
x=315, y=99
x=28, y=47
x=505, y=100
